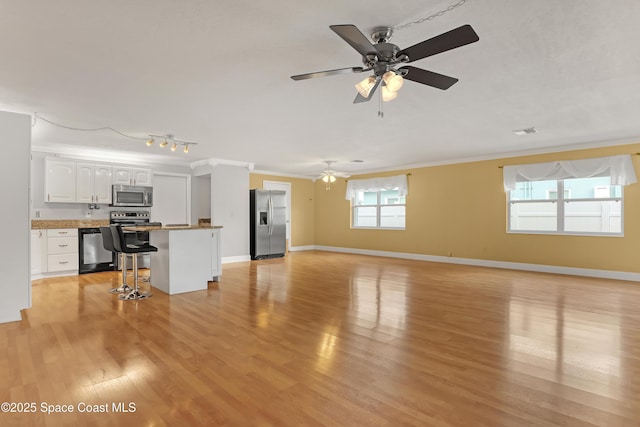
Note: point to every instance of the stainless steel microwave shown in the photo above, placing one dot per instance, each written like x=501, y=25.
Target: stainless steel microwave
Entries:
x=132, y=196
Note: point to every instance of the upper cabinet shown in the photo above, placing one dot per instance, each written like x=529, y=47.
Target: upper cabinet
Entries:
x=70, y=181
x=60, y=181
x=131, y=176
x=93, y=183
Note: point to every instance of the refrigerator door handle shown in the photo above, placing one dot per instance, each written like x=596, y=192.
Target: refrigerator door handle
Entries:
x=270, y=213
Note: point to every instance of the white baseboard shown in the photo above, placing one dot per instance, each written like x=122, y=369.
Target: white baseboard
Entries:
x=232, y=259
x=55, y=274
x=573, y=271
x=301, y=248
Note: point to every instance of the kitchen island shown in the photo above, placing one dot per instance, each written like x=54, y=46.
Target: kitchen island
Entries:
x=188, y=256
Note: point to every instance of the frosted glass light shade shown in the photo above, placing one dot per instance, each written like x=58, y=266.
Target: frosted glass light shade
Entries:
x=392, y=81
x=365, y=86
x=388, y=95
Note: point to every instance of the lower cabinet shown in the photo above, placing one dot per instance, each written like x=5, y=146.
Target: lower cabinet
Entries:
x=62, y=249
x=38, y=251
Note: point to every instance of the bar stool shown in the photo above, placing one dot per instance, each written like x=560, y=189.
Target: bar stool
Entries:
x=109, y=244
x=134, y=250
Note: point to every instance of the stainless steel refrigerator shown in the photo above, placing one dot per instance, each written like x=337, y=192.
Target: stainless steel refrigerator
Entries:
x=268, y=223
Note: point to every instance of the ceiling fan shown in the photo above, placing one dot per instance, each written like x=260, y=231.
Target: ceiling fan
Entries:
x=386, y=60
x=329, y=175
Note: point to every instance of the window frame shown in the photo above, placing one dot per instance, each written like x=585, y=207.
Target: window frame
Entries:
x=560, y=212
x=378, y=206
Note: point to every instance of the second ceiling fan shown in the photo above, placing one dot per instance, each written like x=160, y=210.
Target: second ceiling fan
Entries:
x=386, y=60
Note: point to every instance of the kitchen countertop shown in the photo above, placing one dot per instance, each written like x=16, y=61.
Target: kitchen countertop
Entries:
x=170, y=227
x=43, y=224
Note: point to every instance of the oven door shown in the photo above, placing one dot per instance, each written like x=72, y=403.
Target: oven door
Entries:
x=93, y=256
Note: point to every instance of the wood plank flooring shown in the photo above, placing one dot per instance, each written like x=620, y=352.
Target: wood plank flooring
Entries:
x=321, y=338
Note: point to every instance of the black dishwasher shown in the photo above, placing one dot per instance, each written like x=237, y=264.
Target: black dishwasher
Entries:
x=93, y=256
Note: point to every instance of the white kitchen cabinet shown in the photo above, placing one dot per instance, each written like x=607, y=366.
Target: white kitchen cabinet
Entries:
x=62, y=249
x=131, y=176
x=60, y=181
x=93, y=183
x=38, y=251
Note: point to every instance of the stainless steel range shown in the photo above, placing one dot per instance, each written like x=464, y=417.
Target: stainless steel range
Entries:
x=132, y=218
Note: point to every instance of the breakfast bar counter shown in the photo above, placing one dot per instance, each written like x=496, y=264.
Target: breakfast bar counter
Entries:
x=188, y=256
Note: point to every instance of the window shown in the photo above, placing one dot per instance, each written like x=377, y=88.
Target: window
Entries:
x=587, y=206
x=378, y=202
x=569, y=196
x=378, y=209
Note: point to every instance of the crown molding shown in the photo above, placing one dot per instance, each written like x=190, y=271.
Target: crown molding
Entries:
x=216, y=162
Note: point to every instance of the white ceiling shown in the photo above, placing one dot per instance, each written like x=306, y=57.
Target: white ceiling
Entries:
x=217, y=72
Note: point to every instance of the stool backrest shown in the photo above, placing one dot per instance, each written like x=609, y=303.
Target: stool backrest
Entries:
x=107, y=239
x=118, y=238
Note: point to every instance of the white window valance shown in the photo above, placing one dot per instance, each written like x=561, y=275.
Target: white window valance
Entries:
x=398, y=182
x=620, y=168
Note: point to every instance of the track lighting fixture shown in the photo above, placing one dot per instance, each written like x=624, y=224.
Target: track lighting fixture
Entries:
x=166, y=139
x=170, y=139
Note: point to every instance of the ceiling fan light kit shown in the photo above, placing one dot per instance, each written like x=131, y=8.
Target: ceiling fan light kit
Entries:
x=328, y=175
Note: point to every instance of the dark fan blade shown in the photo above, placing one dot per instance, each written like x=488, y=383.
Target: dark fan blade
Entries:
x=446, y=41
x=360, y=98
x=352, y=35
x=328, y=73
x=429, y=78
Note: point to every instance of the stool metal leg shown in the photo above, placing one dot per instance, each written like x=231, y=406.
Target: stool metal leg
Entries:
x=135, y=294
x=124, y=288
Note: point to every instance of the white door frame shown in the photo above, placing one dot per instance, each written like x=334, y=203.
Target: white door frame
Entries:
x=280, y=185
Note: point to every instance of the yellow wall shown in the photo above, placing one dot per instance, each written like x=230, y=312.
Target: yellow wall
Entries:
x=460, y=210
x=302, y=207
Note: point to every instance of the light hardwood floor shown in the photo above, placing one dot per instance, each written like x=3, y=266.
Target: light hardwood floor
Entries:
x=323, y=338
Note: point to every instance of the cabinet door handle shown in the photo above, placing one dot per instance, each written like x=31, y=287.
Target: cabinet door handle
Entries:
x=62, y=232
x=96, y=199
x=48, y=197
x=63, y=262
x=62, y=246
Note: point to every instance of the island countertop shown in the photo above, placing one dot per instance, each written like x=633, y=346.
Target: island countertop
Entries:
x=170, y=227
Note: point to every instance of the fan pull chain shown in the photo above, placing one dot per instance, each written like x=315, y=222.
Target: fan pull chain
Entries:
x=380, y=106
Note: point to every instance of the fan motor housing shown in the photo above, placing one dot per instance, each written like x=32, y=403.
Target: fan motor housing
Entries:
x=386, y=54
